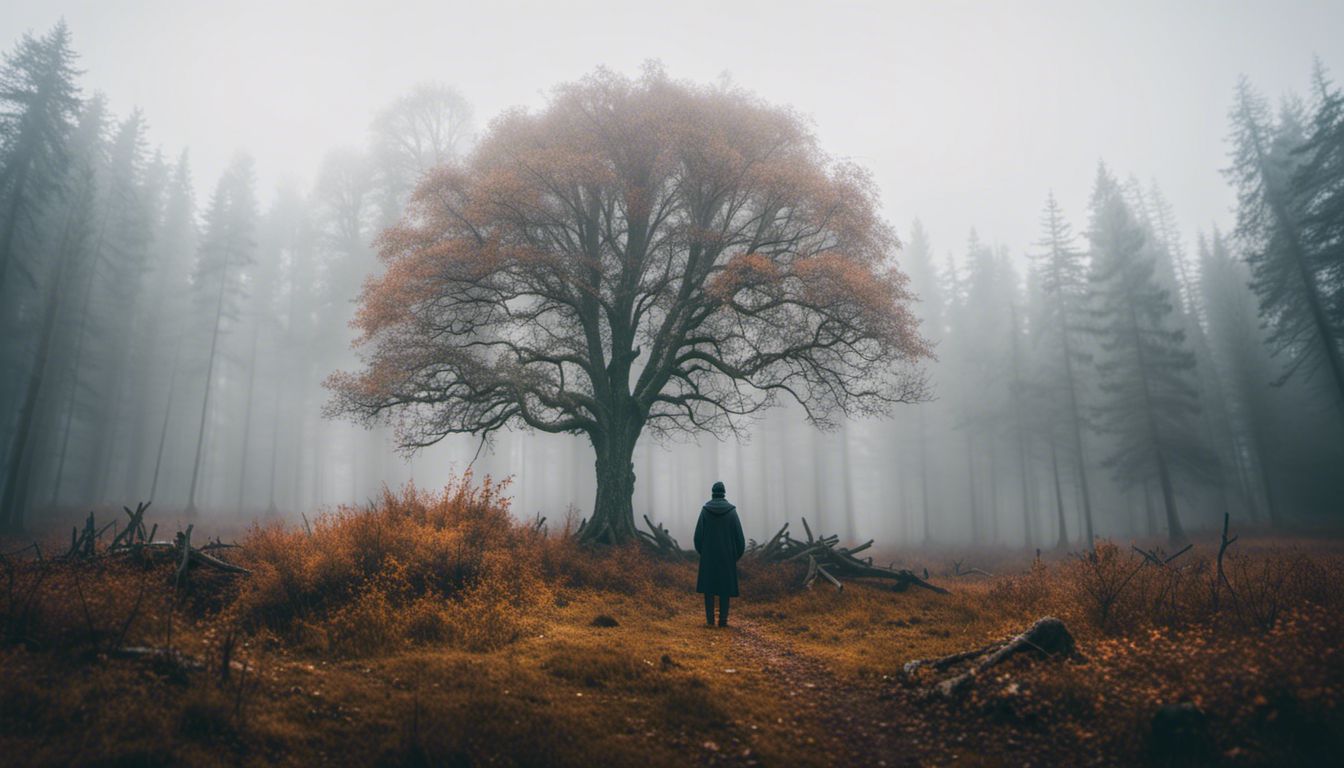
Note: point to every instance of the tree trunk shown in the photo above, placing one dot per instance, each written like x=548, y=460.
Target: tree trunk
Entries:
x=613, y=519
x=993, y=492
x=163, y=429
x=1063, y=541
x=247, y=415
x=1149, y=511
x=1076, y=424
x=846, y=485
x=275, y=449
x=73, y=399
x=205, y=400
x=924, y=476
x=970, y=471
x=1028, y=526
x=1175, y=534
x=12, y=503
x=19, y=191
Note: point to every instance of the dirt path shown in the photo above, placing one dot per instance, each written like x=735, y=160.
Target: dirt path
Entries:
x=849, y=719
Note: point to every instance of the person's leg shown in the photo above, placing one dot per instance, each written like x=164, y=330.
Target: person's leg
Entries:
x=709, y=608
x=723, y=610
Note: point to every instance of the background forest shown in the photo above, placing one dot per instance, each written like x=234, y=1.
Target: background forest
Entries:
x=1120, y=377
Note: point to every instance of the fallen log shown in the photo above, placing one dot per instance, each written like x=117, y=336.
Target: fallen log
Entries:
x=1047, y=637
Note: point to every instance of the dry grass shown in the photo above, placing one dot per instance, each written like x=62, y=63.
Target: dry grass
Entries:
x=433, y=629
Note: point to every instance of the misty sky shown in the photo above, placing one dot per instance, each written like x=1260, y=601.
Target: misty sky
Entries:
x=967, y=113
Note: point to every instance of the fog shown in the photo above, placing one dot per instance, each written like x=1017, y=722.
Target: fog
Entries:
x=179, y=368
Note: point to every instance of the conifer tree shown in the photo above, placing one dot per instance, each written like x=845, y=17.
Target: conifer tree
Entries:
x=1063, y=285
x=39, y=100
x=1290, y=274
x=70, y=238
x=1148, y=404
x=1319, y=186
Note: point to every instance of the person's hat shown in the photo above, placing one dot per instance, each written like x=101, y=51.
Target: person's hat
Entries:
x=718, y=489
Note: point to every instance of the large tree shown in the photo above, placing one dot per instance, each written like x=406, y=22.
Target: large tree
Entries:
x=641, y=254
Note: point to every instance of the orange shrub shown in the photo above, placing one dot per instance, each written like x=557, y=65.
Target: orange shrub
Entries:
x=416, y=567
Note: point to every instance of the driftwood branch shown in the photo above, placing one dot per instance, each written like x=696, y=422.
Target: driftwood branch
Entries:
x=1048, y=637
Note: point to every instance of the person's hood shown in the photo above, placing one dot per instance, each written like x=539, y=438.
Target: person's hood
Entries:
x=718, y=507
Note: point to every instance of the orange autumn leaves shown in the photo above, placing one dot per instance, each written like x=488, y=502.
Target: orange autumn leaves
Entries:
x=640, y=219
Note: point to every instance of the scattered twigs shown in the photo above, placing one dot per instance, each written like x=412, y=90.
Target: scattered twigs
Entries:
x=1156, y=556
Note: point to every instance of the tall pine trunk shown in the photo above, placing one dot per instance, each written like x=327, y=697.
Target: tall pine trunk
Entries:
x=163, y=429
x=13, y=503
x=1076, y=425
x=12, y=216
x=1175, y=533
x=970, y=477
x=1062, y=542
x=73, y=399
x=924, y=476
x=205, y=399
x=247, y=414
x=275, y=449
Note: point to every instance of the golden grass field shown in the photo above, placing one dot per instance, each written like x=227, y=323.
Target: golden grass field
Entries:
x=435, y=630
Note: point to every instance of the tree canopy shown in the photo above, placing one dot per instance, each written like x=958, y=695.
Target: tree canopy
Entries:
x=641, y=253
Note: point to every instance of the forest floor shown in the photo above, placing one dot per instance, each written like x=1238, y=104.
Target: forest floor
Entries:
x=268, y=671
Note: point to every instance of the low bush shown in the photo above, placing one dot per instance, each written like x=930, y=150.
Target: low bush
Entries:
x=451, y=566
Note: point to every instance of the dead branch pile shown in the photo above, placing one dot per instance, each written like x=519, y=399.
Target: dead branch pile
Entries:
x=1048, y=637
x=135, y=541
x=827, y=560
x=661, y=542
x=824, y=558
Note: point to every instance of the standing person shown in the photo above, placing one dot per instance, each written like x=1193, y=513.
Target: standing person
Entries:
x=718, y=539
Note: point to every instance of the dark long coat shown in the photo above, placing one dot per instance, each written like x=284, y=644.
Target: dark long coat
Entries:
x=718, y=539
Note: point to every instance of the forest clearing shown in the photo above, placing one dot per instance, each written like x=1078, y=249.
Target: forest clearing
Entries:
x=365, y=369
x=435, y=630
